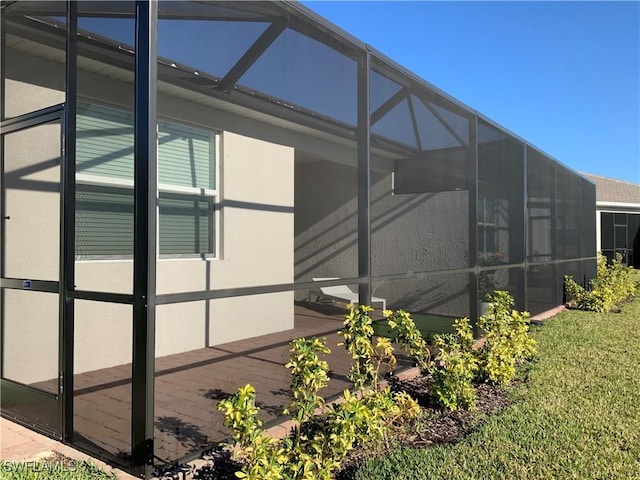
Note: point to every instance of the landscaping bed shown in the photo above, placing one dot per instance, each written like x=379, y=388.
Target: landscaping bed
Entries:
x=482, y=410
x=573, y=413
x=435, y=426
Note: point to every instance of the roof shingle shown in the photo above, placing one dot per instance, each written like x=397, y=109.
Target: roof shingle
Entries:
x=611, y=190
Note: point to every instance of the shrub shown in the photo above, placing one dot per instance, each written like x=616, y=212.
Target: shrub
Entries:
x=406, y=333
x=367, y=357
x=319, y=443
x=262, y=457
x=507, y=339
x=309, y=450
x=613, y=283
x=507, y=343
x=453, y=386
x=309, y=374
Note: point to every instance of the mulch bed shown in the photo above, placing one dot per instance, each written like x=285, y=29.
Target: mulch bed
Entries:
x=435, y=427
x=443, y=426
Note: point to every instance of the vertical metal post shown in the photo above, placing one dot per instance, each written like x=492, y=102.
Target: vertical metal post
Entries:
x=3, y=70
x=364, y=178
x=67, y=224
x=3, y=73
x=525, y=243
x=473, y=188
x=144, y=243
x=554, y=233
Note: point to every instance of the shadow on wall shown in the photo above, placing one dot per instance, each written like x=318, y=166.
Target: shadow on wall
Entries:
x=326, y=219
x=431, y=299
x=410, y=233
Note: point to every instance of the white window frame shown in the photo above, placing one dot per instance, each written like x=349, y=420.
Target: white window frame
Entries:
x=211, y=195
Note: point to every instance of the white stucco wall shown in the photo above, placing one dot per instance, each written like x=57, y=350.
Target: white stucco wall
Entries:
x=30, y=336
x=27, y=89
x=32, y=203
x=420, y=233
x=256, y=241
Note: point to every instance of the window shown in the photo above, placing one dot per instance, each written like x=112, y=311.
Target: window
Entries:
x=487, y=225
x=187, y=194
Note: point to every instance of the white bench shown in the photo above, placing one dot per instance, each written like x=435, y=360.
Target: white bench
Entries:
x=340, y=292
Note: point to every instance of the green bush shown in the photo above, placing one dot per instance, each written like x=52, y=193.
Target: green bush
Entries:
x=368, y=357
x=506, y=343
x=613, y=284
x=319, y=442
x=261, y=456
x=406, y=333
x=309, y=374
x=507, y=340
x=458, y=366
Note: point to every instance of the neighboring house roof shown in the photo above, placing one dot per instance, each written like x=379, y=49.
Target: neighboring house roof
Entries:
x=610, y=190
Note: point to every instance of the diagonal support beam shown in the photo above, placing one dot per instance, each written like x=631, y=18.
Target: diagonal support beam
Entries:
x=414, y=122
x=389, y=105
x=444, y=123
x=248, y=59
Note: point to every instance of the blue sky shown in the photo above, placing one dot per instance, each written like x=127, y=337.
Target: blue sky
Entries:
x=563, y=75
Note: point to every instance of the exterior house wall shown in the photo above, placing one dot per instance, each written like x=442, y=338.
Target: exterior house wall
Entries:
x=256, y=238
x=410, y=233
x=326, y=220
x=32, y=203
x=26, y=88
x=423, y=232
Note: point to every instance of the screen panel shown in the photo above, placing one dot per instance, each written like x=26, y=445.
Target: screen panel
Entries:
x=439, y=294
x=568, y=213
x=30, y=332
x=606, y=231
x=104, y=146
x=31, y=189
x=102, y=376
x=542, y=288
x=326, y=85
x=508, y=279
x=540, y=207
x=500, y=197
x=588, y=208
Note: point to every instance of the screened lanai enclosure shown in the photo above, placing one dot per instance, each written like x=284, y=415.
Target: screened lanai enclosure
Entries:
x=187, y=186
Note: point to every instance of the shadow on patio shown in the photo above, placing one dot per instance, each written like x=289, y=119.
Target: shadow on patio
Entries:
x=189, y=386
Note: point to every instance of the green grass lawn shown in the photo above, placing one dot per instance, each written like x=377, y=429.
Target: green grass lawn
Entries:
x=576, y=417
x=44, y=470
